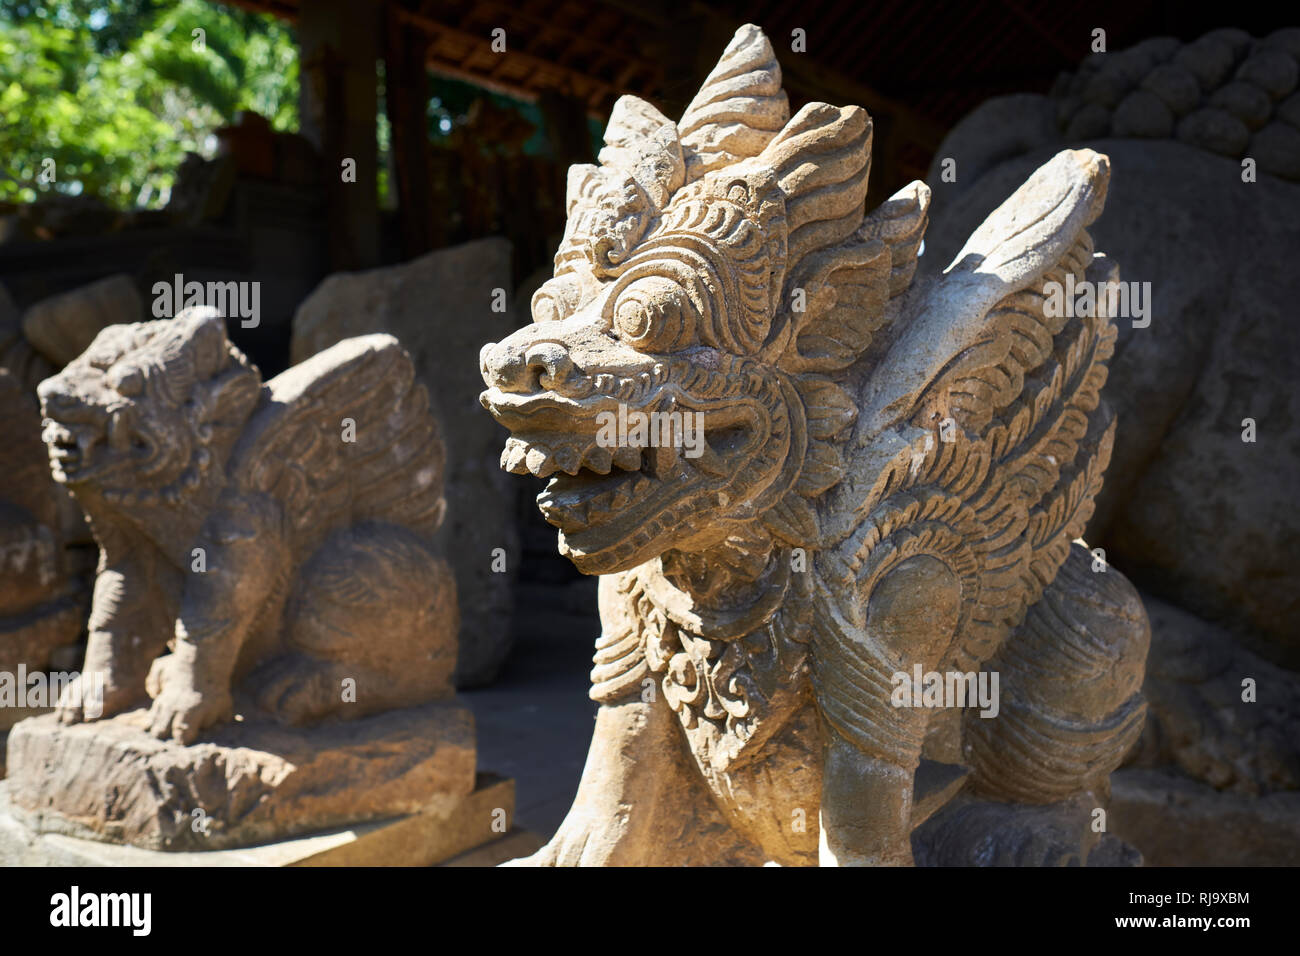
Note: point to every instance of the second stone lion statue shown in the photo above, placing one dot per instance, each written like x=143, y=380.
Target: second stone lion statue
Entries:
x=275, y=535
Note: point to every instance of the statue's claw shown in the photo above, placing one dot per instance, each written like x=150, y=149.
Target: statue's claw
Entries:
x=71, y=707
x=180, y=711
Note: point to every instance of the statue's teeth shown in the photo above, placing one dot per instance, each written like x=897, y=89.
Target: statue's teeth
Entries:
x=512, y=458
x=628, y=458
x=568, y=459
x=598, y=459
x=540, y=462
x=622, y=496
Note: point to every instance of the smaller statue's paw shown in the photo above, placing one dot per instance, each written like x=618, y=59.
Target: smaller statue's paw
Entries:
x=84, y=700
x=181, y=711
x=294, y=691
x=182, y=715
x=74, y=706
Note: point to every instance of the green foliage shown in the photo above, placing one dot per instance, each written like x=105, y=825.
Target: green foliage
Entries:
x=117, y=91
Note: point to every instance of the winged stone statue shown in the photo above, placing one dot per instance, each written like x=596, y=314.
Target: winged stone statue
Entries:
x=275, y=537
x=891, y=480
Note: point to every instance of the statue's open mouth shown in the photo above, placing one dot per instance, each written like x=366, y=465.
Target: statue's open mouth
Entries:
x=81, y=451
x=71, y=448
x=628, y=458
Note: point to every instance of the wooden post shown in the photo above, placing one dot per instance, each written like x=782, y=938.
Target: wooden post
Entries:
x=406, y=97
x=339, y=48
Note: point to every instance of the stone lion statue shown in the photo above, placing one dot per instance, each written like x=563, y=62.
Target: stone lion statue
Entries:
x=889, y=478
x=274, y=536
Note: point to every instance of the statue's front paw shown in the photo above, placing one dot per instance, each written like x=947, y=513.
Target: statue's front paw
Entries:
x=84, y=699
x=181, y=715
x=546, y=856
x=180, y=711
x=71, y=708
x=585, y=839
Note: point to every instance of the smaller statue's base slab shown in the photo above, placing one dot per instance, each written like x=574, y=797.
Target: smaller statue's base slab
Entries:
x=243, y=783
x=467, y=833
x=10, y=716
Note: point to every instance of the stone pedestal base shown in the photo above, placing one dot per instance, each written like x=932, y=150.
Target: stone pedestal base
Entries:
x=970, y=831
x=10, y=716
x=466, y=833
x=244, y=783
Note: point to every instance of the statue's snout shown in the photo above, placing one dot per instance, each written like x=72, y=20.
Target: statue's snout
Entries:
x=64, y=403
x=525, y=362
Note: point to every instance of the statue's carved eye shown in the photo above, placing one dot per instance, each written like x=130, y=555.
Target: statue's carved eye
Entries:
x=128, y=382
x=654, y=314
x=607, y=252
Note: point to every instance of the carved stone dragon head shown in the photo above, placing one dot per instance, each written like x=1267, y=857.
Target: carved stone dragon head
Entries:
x=148, y=409
x=718, y=271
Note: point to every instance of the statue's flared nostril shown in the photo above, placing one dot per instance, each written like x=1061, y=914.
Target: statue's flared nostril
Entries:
x=549, y=359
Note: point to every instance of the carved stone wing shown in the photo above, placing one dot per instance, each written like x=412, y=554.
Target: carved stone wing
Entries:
x=346, y=436
x=983, y=440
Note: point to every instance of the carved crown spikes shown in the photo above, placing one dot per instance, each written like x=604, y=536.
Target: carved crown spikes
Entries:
x=802, y=277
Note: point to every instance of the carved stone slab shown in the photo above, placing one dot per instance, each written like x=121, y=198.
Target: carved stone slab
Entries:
x=446, y=832
x=243, y=783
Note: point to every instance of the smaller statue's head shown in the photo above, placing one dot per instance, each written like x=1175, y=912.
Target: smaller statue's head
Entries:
x=148, y=408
